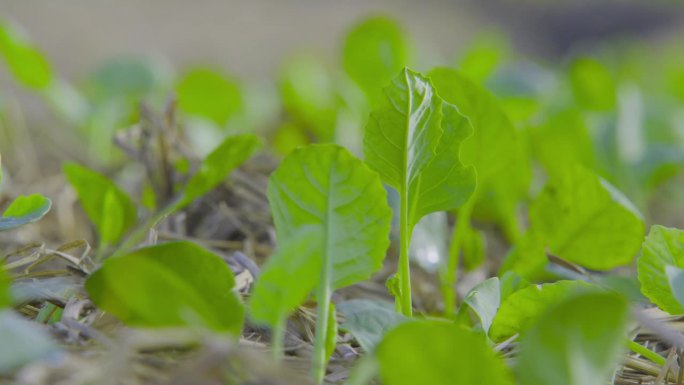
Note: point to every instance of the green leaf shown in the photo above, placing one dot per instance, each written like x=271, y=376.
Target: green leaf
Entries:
x=168, y=285
x=496, y=150
x=229, y=155
x=445, y=184
x=374, y=51
x=23, y=342
x=585, y=220
x=26, y=62
x=484, y=57
x=522, y=308
x=577, y=342
x=592, y=84
x=108, y=207
x=325, y=186
x=276, y=295
x=662, y=247
x=368, y=321
x=438, y=353
x=562, y=141
x=413, y=143
x=484, y=300
x=24, y=210
x=209, y=94
x=309, y=96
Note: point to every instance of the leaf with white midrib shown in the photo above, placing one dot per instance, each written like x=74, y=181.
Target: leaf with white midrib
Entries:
x=325, y=186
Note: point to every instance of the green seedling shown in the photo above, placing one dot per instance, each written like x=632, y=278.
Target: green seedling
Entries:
x=114, y=214
x=325, y=187
x=413, y=143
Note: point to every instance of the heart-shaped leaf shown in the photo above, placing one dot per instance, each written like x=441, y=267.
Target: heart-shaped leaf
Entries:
x=168, y=285
x=24, y=210
x=662, y=248
x=448, y=355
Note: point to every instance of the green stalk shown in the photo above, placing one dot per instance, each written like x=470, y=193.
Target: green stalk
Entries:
x=646, y=352
x=278, y=340
x=404, y=265
x=449, y=273
x=323, y=294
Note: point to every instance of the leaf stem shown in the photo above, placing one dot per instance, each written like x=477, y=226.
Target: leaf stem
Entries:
x=404, y=263
x=646, y=352
x=323, y=294
x=278, y=341
x=448, y=276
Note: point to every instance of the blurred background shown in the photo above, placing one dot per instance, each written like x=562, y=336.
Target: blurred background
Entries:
x=595, y=82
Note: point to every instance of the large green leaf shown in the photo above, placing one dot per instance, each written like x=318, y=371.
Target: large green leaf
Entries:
x=226, y=157
x=368, y=321
x=577, y=342
x=585, y=220
x=23, y=342
x=208, y=94
x=484, y=300
x=374, y=51
x=662, y=247
x=168, y=285
x=413, y=143
x=107, y=206
x=276, y=295
x=24, y=210
x=438, y=353
x=522, y=308
x=27, y=63
x=325, y=186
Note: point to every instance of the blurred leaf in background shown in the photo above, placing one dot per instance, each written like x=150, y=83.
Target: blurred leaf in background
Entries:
x=374, y=52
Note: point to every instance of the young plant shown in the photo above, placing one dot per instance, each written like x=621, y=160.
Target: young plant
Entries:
x=113, y=212
x=413, y=143
x=324, y=187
